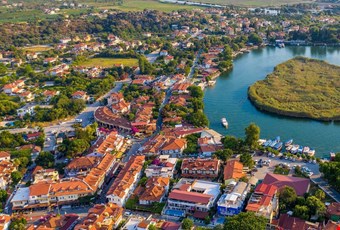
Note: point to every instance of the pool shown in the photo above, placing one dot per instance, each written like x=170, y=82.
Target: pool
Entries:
x=177, y=213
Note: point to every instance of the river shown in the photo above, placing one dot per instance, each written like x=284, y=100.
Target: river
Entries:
x=228, y=98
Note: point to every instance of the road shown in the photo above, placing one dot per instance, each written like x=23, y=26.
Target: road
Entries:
x=152, y=56
x=86, y=116
x=192, y=69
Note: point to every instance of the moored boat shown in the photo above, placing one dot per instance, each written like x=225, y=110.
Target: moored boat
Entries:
x=289, y=142
x=294, y=149
x=278, y=146
x=300, y=149
x=289, y=147
x=305, y=149
x=224, y=122
x=211, y=82
x=311, y=152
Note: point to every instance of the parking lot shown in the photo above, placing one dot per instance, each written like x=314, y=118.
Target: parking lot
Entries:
x=267, y=168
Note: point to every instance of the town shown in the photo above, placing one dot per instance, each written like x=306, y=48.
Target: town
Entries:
x=103, y=123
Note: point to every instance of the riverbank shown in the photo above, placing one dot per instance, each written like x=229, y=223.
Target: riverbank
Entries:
x=300, y=87
x=228, y=98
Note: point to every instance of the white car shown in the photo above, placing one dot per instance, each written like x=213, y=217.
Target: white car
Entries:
x=127, y=213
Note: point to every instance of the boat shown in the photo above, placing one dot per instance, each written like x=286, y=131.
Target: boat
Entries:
x=261, y=141
x=277, y=138
x=300, y=149
x=224, y=122
x=289, y=147
x=281, y=45
x=211, y=83
x=273, y=144
x=267, y=143
x=289, y=142
x=294, y=149
x=278, y=146
x=311, y=152
x=305, y=149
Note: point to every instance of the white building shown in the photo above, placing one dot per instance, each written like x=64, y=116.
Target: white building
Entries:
x=27, y=109
x=164, y=168
x=190, y=196
x=232, y=203
x=126, y=181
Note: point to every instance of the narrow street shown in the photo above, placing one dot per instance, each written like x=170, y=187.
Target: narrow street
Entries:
x=86, y=116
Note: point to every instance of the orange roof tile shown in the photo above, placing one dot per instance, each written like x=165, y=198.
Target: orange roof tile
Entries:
x=233, y=170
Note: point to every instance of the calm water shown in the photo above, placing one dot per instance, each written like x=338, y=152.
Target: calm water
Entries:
x=228, y=98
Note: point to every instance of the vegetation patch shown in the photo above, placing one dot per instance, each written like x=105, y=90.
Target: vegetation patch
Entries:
x=109, y=62
x=257, y=3
x=37, y=48
x=300, y=87
x=138, y=5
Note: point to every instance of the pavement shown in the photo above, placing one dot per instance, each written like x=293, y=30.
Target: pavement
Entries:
x=316, y=177
x=87, y=117
x=152, y=56
x=260, y=174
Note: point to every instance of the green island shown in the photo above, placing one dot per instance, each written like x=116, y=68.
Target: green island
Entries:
x=300, y=87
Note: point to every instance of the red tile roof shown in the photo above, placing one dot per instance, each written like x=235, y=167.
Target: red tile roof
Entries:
x=193, y=197
x=301, y=185
x=334, y=209
x=233, y=170
x=4, y=154
x=294, y=223
x=167, y=225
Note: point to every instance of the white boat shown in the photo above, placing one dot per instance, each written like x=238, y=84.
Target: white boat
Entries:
x=224, y=122
x=211, y=83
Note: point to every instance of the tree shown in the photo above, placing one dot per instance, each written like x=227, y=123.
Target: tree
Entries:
x=152, y=227
x=331, y=171
x=3, y=195
x=196, y=91
x=76, y=147
x=247, y=160
x=246, y=220
x=187, y=224
x=198, y=119
x=45, y=160
x=320, y=194
x=18, y=224
x=231, y=142
x=224, y=154
x=315, y=205
x=301, y=211
x=142, y=181
x=255, y=39
x=287, y=198
x=16, y=177
x=3, y=69
x=252, y=135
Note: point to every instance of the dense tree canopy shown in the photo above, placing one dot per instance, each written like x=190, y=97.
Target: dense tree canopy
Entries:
x=246, y=220
x=331, y=171
x=287, y=198
x=252, y=135
x=247, y=160
x=187, y=224
x=45, y=160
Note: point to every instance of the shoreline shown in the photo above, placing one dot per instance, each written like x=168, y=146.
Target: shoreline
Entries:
x=272, y=110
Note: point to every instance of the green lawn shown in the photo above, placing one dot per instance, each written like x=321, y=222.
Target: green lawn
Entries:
x=37, y=48
x=300, y=87
x=109, y=62
x=138, y=5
